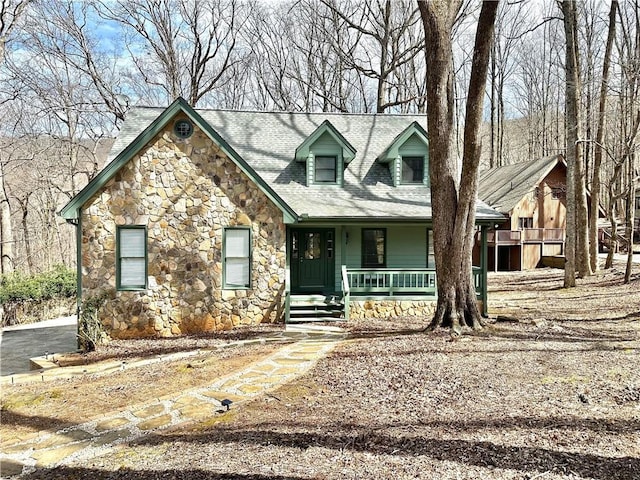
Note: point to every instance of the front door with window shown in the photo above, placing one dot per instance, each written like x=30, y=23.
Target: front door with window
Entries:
x=312, y=260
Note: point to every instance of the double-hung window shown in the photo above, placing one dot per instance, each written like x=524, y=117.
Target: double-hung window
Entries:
x=412, y=169
x=374, y=248
x=237, y=258
x=525, y=222
x=325, y=169
x=131, y=251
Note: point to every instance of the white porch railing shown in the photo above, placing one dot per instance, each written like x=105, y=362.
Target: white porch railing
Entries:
x=385, y=281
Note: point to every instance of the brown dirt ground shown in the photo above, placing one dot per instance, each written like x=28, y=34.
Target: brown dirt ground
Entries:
x=29, y=408
x=552, y=391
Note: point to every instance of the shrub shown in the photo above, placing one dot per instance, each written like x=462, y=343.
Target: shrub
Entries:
x=91, y=332
x=57, y=283
x=20, y=293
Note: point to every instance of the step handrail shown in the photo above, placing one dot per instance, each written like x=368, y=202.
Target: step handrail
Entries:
x=346, y=291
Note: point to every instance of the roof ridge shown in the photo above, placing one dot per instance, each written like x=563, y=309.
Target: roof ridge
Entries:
x=289, y=112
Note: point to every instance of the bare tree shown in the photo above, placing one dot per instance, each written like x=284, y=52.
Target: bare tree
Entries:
x=454, y=192
x=600, y=132
x=10, y=14
x=576, y=245
x=179, y=47
x=509, y=29
x=387, y=40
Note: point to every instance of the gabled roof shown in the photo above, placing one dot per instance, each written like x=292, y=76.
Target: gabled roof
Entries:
x=348, y=152
x=264, y=145
x=503, y=187
x=391, y=152
x=72, y=209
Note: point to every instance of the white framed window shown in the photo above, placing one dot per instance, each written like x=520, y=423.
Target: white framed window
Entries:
x=131, y=251
x=326, y=169
x=237, y=257
x=525, y=222
x=412, y=169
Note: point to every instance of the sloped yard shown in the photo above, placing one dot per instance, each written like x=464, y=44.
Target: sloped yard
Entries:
x=553, y=395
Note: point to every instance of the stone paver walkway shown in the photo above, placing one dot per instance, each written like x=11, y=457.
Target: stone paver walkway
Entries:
x=86, y=440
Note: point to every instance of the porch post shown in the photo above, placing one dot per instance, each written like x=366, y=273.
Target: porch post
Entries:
x=287, y=277
x=484, y=255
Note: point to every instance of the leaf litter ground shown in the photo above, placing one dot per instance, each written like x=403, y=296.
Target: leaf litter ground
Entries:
x=549, y=390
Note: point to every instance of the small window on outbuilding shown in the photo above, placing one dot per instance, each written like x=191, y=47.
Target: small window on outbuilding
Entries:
x=557, y=193
x=525, y=222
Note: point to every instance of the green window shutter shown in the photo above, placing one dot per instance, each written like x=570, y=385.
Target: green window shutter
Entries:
x=132, y=258
x=237, y=258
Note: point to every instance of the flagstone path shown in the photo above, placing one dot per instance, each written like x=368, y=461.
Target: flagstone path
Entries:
x=87, y=440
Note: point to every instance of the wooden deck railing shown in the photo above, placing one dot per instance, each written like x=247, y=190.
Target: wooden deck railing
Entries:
x=527, y=235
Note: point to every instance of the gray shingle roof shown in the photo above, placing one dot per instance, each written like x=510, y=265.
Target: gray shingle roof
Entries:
x=267, y=141
x=503, y=187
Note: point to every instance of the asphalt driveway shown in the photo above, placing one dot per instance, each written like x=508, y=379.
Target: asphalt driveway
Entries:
x=21, y=342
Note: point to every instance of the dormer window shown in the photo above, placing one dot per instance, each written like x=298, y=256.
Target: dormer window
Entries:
x=326, y=153
x=408, y=157
x=413, y=169
x=325, y=169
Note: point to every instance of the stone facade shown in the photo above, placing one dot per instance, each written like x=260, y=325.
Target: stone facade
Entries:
x=391, y=308
x=185, y=191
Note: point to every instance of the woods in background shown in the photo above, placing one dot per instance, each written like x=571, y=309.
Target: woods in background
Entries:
x=71, y=69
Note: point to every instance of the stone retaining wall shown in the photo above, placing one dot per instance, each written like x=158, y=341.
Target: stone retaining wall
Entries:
x=390, y=308
x=185, y=192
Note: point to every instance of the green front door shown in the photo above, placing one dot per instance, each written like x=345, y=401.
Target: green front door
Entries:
x=312, y=260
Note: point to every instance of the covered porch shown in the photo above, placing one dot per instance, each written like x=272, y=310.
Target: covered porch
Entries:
x=358, y=270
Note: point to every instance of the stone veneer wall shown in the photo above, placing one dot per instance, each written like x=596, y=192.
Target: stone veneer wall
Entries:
x=390, y=308
x=185, y=192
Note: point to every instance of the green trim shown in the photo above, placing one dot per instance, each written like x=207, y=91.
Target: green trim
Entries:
x=119, y=285
x=392, y=151
x=224, y=259
x=303, y=150
x=362, y=246
x=336, y=180
x=72, y=209
x=78, y=226
x=425, y=170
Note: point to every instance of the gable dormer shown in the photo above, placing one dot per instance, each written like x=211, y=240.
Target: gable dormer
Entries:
x=326, y=153
x=408, y=157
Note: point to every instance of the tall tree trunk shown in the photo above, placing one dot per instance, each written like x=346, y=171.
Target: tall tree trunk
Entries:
x=6, y=231
x=24, y=206
x=599, y=147
x=572, y=95
x=631, y=202
x=453, y=196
